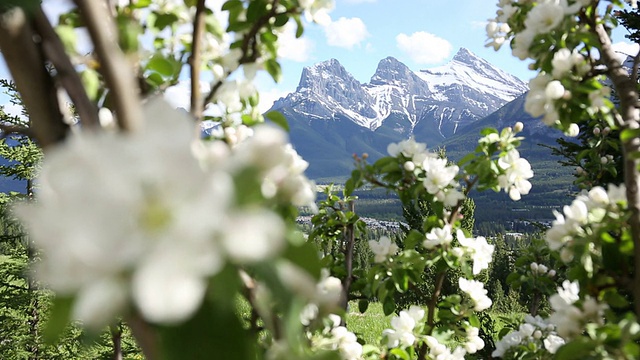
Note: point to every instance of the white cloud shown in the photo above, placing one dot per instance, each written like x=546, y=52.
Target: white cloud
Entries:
x=268, y=97
x=423, y=47
x=292, y=48
x=179, y=95
x=346, y=33
x=625, y=49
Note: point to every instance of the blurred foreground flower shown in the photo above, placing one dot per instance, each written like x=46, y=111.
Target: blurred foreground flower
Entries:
x=135, y=217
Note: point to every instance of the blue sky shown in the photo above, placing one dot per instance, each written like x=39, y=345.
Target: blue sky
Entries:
x=419, y=33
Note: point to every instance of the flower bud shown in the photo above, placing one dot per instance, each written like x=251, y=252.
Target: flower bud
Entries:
x=604, y=160
x=606, y=131
x=534, y=267
x=554, y=90
x=596, y=131
x=573, y=130
x=409, y=166
x=537, y=334
x=518, y=127
x=542, y=269
x=551, y=273
x=566, y=255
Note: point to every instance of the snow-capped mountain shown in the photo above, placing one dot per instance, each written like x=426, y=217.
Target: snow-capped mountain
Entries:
x=332, y=115
x=431, y=104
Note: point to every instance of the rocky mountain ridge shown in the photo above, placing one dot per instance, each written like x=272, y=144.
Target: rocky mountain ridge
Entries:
x=431, y=104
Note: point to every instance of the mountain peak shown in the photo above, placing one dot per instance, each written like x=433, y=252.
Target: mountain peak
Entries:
x=390, y=69
x=464, y=55
x=326, y=69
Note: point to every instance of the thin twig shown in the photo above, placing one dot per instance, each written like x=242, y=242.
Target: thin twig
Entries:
x=115, y=68
x=6, y=130
x=66, y=74
x=249, y=45
x=197, y=105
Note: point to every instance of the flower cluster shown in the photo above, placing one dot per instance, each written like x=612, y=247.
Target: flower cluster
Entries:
x=474, y=342
x=476, y=291
x=587, y=211
x=441, y=351
x=541, y=270
x=535, y=333
x=569, y=318
x=158, y=225
x=337, y=337
x=480, y=251
x=437, y=176
x=514, y=171
x=382, y=248
x=438, y=237
x=265, y=150
x=559, y=82
x=405, y=327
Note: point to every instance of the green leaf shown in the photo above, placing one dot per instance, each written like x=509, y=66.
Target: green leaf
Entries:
x=300, y=28
x=277, y=118
x=579, y=348
x=232, y=4
x=139, y=4
x=389, y=305
x=129, y=32
x=160, y=65
x=306, y=257
x=59, y=318
x=629, y=134
x=400, y=353
x=91, y=81
x=474, y=321
x=164, y=20
x=67, y=35
x=363, y=305
x=274, y=69
x=413, y=239
x=212, y=330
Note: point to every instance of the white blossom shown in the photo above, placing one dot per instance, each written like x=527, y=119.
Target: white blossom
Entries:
x=481, y=251
x=382, y=248
x=437, y=237
x=401, y=333
x=517, y=174
x=150, y=227
x=476, y=291
x=553, y=342
x=544, y=17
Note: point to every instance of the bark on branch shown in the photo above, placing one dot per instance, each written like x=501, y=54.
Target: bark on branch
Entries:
x=27, y=65
x=626, y=87
x=115, y=68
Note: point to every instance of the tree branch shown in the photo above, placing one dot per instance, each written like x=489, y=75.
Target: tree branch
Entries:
x=115, y=68
x=145, y=336
x=197, y=105
x=626, y=87
x=350, y=239
x=433, y=302
x=31, y=78
x=66, y=74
